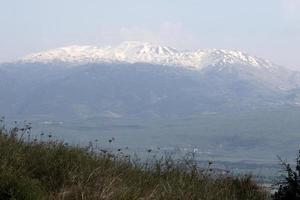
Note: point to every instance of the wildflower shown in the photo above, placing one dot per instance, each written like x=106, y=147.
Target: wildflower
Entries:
x=103, y=150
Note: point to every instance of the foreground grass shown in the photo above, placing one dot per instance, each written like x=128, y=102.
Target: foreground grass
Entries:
x=32, y=169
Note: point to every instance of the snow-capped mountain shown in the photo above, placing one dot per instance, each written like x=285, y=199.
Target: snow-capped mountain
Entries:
x=143, y=52
x=221, y=97
x=136, y=78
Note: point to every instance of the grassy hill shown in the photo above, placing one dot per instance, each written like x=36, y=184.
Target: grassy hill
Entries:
x=46, y=169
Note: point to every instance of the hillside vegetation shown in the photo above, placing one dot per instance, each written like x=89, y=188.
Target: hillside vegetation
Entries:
x=47, y=169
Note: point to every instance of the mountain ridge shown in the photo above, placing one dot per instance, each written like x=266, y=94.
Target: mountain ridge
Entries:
x=144, y=52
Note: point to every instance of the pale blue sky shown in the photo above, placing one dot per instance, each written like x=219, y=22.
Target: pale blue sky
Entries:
x=266, y=28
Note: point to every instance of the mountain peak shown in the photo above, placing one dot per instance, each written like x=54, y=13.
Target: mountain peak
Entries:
x=145, y=52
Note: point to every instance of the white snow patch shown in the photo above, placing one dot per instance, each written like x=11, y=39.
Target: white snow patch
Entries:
x=143, y=52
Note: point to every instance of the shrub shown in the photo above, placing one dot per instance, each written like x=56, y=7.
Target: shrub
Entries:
x=289, y=187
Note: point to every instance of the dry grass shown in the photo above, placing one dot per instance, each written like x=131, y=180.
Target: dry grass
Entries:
x=34, y=169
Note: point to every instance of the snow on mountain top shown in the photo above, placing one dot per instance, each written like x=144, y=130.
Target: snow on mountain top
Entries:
x=143, y=52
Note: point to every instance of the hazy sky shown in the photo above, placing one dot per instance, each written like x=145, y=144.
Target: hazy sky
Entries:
x=266, y=28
